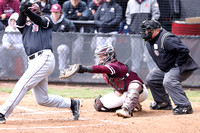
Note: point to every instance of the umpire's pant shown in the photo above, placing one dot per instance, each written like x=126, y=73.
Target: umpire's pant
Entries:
x=158, y=81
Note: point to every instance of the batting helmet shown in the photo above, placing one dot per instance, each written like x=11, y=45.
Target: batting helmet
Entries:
x=108, y=51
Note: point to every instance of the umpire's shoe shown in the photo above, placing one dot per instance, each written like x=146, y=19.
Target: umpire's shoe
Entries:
x=123, y=113
x=180, y=110
x=160, y=106
x=75, y=106
x=2, y=119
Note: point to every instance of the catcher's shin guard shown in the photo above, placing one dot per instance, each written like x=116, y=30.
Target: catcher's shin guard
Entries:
x=131, y=100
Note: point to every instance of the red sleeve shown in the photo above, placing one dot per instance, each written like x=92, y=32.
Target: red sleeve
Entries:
x=100, y=69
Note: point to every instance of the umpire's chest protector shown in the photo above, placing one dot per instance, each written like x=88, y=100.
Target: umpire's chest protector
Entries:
x=164, y=59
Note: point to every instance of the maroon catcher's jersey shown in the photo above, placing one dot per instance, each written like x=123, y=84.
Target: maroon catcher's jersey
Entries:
x=117, y=70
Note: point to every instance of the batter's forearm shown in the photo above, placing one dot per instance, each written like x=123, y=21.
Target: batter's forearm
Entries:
x=36, y=18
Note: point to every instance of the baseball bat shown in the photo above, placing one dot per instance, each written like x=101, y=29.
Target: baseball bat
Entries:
x=32, y=1
x=37, y=1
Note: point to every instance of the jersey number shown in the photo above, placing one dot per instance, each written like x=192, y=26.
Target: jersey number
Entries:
x=35, y=28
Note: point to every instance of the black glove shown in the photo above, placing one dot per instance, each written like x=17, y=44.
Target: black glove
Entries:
x=24, y=6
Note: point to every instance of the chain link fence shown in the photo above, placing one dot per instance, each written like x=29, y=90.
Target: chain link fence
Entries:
x=70, y=48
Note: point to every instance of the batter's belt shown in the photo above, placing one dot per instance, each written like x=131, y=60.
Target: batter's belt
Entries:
x=33, y=56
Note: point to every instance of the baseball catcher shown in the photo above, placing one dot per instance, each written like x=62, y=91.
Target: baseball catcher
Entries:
x=129, y=89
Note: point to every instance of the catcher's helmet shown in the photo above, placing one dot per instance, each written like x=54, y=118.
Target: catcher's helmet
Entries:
x=35, y=8
x=105, y=50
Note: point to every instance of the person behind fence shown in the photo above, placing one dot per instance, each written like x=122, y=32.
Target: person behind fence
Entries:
x=93, y=5
x=129, y=89
x=7, y=8
x=107, y=19
x=45, y=6
x=37, y=40
x=137, y=11
x=61, y=24
x=12, y=47
x=174, y=65
x=76, y=10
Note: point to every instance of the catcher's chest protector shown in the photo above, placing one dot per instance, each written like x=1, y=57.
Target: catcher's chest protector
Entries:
x=115, y=82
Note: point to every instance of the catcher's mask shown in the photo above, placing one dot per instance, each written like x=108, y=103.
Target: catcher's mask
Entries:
x=35, y=8
x=149, y=25
x=104, y=54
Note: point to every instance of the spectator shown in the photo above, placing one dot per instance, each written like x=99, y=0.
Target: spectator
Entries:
x=107, y=18
x=137, y=11
x=174, y=65
x=123, y=4
x=7, y=7
x=93, y=5
x=76, y=10
x=45, y=6
x=12, y=47
x=61, y=24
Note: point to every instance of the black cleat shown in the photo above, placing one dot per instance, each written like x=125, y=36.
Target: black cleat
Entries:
x=2, y=119
x=75, y=106
x=160, y=106
x=180, y=110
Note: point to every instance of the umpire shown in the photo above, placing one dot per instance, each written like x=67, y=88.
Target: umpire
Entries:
x=174, y=66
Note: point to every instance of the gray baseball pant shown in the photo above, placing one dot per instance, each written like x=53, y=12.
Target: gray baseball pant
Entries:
x=165, y=84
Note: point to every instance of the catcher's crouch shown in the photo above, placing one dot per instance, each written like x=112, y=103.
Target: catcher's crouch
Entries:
x=129, y=89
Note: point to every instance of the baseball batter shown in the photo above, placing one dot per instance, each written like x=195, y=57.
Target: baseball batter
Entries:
x=37, y=40
x=129, y=89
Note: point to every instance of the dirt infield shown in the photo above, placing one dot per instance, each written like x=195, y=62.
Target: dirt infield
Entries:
x=30, y=117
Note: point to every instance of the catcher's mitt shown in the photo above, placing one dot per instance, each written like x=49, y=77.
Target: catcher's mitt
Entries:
x=66, y=73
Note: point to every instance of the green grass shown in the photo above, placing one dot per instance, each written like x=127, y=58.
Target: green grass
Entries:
x=79, y=93
x=86, y=93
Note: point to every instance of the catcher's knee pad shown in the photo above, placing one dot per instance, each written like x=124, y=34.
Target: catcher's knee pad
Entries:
x=98, y=104
x=131, y=100
x=63, y=48
x=135, y=84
